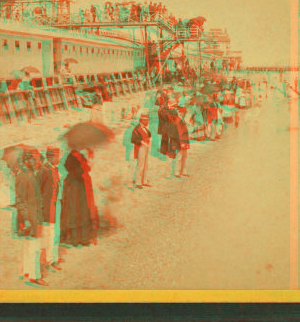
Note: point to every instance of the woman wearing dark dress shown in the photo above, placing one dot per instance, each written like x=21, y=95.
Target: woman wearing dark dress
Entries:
x=79, y=217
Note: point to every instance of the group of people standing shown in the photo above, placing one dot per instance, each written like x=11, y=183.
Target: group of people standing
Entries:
x=183, y=115
x=174, y=143
x=126, y=12
x=47, y=214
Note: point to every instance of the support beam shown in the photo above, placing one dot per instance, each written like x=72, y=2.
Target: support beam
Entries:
x=147, y=54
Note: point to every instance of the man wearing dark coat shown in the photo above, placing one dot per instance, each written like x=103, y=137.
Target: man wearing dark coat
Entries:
x=29, y=205
x=141, y=138
x=49, y=190
x=179, y=142
x=163, y=128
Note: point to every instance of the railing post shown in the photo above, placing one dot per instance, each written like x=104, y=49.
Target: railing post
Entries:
x=62, y=92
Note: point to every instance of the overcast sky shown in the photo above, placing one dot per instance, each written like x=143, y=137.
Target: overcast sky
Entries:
x=259, y=28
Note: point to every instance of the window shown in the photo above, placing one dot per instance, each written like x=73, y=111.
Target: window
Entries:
x=5, y=44
x=28, y=45
x=108, y=51
x=113, y=52
x=17, y=44
x=80, y=50
x=66, y=47
x=73, y=48
x=92, y=50
x=87, y=50
x=39, y=45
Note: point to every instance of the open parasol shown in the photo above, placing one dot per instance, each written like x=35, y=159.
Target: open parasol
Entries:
x=71, y=60
x=31, y=69
x=88, y=136
x=12, y=155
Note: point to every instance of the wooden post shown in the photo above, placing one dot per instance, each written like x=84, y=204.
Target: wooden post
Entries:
x=146, y=44
x=200, y=68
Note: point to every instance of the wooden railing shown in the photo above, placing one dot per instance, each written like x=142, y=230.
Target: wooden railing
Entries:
x=49, y=94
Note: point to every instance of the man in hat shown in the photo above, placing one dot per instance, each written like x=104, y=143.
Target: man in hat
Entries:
x=163, y=122
x=212, y=116
x=29, y=205
x=141, y=138
x=179, y=142
x=50, y=190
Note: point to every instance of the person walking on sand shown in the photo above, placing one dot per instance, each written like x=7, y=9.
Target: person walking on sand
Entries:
x=141, y=138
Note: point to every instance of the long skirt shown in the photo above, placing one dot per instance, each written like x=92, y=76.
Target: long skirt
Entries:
x=79, y=236
x=164, y=147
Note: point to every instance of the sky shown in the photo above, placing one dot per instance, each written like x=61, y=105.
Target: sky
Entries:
x=258, y=28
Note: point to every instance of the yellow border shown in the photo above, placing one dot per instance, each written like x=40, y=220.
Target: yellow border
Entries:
x=92, y=296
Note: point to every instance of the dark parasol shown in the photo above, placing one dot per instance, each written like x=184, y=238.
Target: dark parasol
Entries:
x=88, y=136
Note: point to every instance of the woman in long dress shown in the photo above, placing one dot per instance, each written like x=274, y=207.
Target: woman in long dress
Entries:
x=79, y=218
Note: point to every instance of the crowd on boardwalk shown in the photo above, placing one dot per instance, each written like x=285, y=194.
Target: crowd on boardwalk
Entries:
x=127, y=12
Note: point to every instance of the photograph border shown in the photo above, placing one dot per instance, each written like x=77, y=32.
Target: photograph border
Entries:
x=203, y=296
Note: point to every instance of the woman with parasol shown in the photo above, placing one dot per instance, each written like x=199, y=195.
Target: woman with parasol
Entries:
x=79, y=215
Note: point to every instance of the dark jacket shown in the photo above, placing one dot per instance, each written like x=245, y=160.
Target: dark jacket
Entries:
x=139, y=135
x=49, y=190
x=179, y=136
x=29, y=201
x=163, y=121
